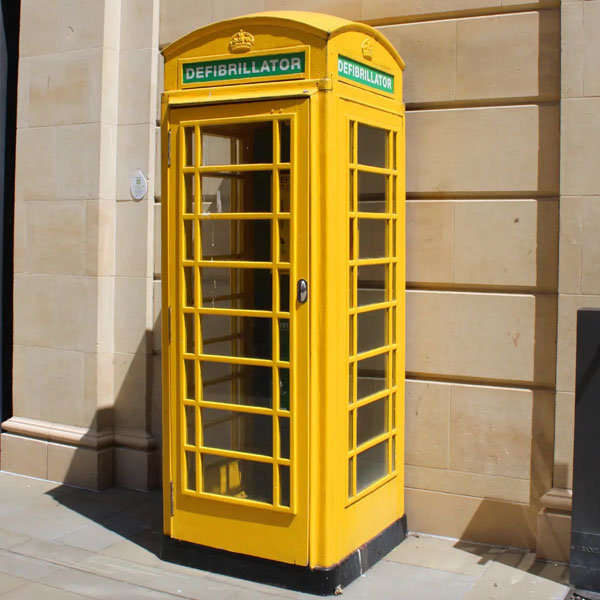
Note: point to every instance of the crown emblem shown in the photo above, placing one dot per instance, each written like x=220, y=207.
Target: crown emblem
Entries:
x=367, y=49
x=242, y=41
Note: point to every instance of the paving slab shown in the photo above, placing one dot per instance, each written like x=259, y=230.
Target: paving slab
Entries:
x=25, y=567
x=10, y=582
x=35, y=591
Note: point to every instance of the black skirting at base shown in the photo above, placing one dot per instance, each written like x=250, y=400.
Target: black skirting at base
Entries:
x=320, y=581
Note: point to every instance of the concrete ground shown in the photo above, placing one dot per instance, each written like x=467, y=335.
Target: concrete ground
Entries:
x=58, y=542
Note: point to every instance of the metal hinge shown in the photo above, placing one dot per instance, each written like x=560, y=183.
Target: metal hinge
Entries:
x=172, y=500
x=169, y=148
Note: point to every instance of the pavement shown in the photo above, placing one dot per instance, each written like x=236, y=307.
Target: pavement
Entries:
x=63, y=543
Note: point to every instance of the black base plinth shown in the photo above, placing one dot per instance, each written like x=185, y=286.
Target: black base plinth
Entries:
x=320, y=581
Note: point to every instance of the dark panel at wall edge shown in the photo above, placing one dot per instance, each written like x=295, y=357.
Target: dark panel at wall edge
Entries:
x=11, y=11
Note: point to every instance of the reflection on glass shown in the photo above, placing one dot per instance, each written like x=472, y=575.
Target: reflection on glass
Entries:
x=190, y=425
x=393, y=453
x=372, y=146
x=190, y=464
x=245, y=289
x=372, y=192
x=371, y=420
x=372, y=236
x=351, y=143
x=350, y=475
x=350, y=430
x=284, y=241
x=284, y=191
x=188, y=240
x=190, y=146
x=284, y=388
x=226, y=239
x=351, y=335
x=238, y=478
x=235, y=191
x=189, y=192
x=241, y=432
x=284, y=437
x=284, y=339
x=284, y=486
x=372, y=330
x=284, y=141
x=189, y=333
x=371, y=465
x=371, y=375
x=351, y=383
x=248, y=337
x=284, y=291
x=190, y=379
x=237, y=143
x=371, y=284
x=236, y=384
x=188, y=284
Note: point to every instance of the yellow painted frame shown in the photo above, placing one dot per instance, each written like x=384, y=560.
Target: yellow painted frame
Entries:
x=330, y=525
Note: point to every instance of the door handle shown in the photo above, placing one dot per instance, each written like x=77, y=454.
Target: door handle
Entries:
x=302, y=291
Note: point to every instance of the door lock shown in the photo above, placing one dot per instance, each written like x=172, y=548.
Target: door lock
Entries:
x=302, y=294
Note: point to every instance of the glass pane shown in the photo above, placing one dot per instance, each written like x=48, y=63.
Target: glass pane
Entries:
x=284, y=240
x=352, y=246
x=284, y=291
x=236, y=384
x=372, y=192
x=351, y=143
x=189, y=191
x=350, y=430
x=351, y=206
x=284, y=191
x=372, y=236
x=189, y=333
x=284, y=339
x=284, y=388
x=188, y=285
x=284, y=141
x=350, y=476
x=233, y=191
x=237, y=431
x=188, y=240
x=237, y=478
x=227, y=239
x=236, y=336
x=351, y=287
x=190, y=425
x=372, y=329
x=371, y=420
x=351, y=335
x=237, y=143
x=190, y=146
x=393, y=453
x=190, y=464
x=371, y=375
x=284, y=486
x=372, y=146
x=371, y=284
x=371, y=465
x=351, y=383
x=284, y=437
x=190, y=380
x=244, y=289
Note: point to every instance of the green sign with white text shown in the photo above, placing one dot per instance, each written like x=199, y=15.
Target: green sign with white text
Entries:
x=247, y=67
x=355, y=71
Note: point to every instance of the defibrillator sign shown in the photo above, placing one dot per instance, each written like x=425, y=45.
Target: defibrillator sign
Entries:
x=247, y=67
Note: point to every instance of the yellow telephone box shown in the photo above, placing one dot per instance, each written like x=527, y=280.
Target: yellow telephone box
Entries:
x=283, y=298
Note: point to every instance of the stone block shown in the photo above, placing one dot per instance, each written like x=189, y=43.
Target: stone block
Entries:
x=139, y=24
x=388, y=9
x=498, y=149
x=429, y=241
x=508, y=56
x=348, y=9
x=506, y=242
x=33, y=310
x=156, y=411
x=156, y=316
x=135, y=87
x=157, y=240
x=569, y=264
x=132, y=314
x=563, y=440
x=429, y=51
x=82, y=24
x=87, y=468
x=580, y=152
x=133, y=153
x=40, y=29
x=553, y=535
x=507, y=337
x=55, y=237
x=590, y=245
x=427, y=415
x=23, y=94
x=567, y=338
x=178, y=17
x=572, y=49
x=591, y=26
x=100, y=237
x=24, y=456
x=132, y=389
x=137, y=469
x=235, y=8
x=132, y=243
